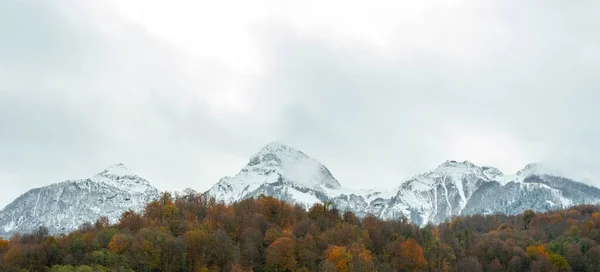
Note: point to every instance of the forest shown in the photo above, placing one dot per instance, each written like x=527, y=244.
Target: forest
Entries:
x=191, y=232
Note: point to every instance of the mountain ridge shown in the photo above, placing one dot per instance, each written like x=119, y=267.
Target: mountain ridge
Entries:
x=452, y=188
x=430, y=197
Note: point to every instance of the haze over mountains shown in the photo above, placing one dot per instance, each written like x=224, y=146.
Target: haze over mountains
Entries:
x=453, y=188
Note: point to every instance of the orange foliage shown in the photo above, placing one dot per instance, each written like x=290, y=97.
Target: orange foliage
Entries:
x=408, y=256
x=361, y=258
x=340, y=257
x=3, y=244
x=120, y=243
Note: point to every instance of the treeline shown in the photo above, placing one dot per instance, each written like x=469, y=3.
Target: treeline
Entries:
x=193, y=233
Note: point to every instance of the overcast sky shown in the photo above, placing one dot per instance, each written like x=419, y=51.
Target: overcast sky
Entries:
x=184, y=92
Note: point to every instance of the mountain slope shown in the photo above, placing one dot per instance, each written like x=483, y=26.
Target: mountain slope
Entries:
x=451, y=189
x=64, y=206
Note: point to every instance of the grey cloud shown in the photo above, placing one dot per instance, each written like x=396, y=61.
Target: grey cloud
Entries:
x=74, y=99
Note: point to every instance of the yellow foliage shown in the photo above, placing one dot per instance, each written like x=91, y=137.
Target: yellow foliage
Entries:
x=537, y=251
x=596, y=215
x=340, y=257
x=504, y=226
x=169, y=210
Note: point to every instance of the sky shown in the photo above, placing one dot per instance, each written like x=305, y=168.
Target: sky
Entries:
x=185, y=92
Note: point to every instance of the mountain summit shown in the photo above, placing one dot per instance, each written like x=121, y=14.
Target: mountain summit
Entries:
x=64, y=206
x=117, y=170
x=278, y=170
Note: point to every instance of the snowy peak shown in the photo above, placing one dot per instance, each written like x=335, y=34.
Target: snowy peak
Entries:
x=465, y=168
x=456, y=164
x=278, y=169
x=532, y=169
x=276, y=154
x=538, y=169
x=117, y=170
x=119, y=176
x=292, y=165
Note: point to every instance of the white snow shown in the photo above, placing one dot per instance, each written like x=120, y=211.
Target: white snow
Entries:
x=528, y=171
x=118, y=170
x=66, y=205
x=277, y=162
x=121, y=177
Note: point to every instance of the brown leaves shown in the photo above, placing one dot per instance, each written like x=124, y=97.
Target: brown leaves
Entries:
x=407, y=256
x=280, y=255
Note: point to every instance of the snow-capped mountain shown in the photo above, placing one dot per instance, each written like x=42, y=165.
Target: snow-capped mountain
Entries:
x=280, y=171
x=64, y=206
x=462, y=188
x=451, y=189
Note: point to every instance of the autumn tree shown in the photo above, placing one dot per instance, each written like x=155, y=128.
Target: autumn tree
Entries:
x=407, y=256
x=362, y=259
x=220, y=250
x=440, y=255
x=307, y=253
x=339, y=258
x=195, y=243
x=281, y=255
x=3, y=244
x=120, y=243
x=132, y=221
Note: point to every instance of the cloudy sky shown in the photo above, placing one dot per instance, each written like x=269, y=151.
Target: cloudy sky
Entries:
x=184, y=92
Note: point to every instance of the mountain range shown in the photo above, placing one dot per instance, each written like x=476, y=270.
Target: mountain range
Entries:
x=451, y=189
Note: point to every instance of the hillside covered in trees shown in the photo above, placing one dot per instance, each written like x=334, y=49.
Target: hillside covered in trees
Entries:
x=193, y=233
